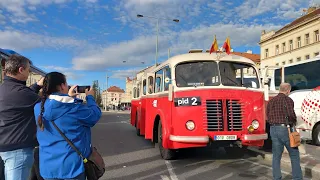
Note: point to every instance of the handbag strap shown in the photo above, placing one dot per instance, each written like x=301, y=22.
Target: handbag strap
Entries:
x=85, y=160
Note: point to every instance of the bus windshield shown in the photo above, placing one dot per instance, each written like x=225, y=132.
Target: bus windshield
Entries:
x=238, y=74
x=203, y=73
x=206, y=73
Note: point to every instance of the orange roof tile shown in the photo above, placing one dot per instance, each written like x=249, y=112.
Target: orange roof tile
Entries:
x=115, y=89
x=253, y=57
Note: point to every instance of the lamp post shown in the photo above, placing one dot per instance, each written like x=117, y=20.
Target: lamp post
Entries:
x=157, y=18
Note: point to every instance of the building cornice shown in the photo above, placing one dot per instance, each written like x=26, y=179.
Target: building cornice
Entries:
x=317, y=17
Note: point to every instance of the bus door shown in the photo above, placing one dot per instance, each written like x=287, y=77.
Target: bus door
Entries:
x=150, y=109
x=168, y=87
x=134, y=105
x=143, y=101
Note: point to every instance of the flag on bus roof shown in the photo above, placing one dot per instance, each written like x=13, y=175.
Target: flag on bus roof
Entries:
x=227, y=46
x=214, y=46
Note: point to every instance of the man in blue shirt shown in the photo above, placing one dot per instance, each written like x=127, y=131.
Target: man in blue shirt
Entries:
x=17, y=121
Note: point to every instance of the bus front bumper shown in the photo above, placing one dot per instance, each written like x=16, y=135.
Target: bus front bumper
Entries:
x=190, y=139
x=206, y=139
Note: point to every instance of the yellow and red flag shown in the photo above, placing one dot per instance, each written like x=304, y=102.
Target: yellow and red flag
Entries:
x=227, y=46
x=214, y=46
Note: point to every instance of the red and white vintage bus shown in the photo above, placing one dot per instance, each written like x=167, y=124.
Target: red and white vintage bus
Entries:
x=196, y=99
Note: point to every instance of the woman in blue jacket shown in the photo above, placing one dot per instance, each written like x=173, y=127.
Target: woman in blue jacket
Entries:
x=57, y=160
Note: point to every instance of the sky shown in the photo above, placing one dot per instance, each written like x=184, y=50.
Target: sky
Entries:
x=90, y=39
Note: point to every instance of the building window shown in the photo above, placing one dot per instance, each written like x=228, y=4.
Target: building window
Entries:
x=316, y=36
x=291, y=45
x=283, y=62
x=306, y=39
x=266, y=53
x=316, y=54
x=298, y=42
x=283, y=47
x=298, y=59
x=277, y=49
x=291, y=61
x=307, y=57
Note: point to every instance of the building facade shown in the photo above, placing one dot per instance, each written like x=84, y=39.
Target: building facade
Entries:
x=112, y=97
x=297, y=41
x=128, y=93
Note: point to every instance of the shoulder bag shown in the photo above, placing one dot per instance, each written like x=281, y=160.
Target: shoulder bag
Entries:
x=294, y=136
x=94, y=165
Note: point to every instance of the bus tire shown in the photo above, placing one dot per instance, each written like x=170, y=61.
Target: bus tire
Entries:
x=136, y=125
x=316, y=135
x=166, y=154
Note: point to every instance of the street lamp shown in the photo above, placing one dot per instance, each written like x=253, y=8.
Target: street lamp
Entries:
x=157, y=18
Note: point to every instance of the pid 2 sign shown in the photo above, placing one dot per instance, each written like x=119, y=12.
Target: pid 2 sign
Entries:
x=187, y=101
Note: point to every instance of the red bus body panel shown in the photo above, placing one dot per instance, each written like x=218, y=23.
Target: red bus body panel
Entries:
x=134, y=110
x=174, y=119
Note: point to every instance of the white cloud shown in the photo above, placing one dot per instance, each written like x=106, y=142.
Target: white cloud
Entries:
x=68, y=72
x=2, y=18
x=18, y=11
x=143, y=48
x=17, y=40
x=251, y=8
x=122, y=74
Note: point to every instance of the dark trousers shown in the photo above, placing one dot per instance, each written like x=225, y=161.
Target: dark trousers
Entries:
x=280, y=139
x=35, y=171
x=1, y=169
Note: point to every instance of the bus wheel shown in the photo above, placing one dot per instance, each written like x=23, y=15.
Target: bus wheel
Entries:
x=316, y=135
x=136, y=125
x=166, y=154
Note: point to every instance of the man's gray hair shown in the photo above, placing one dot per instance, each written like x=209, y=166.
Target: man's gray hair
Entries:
x=14, y=62
x=284, y=87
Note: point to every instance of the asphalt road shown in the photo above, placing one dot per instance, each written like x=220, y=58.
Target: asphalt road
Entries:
x=130, y=157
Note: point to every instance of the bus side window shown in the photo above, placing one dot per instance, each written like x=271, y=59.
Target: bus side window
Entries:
x=167, y=75
x=135, y=92
x=159, y=81
x=144, y=87
x=138, y=91
x=150, y=88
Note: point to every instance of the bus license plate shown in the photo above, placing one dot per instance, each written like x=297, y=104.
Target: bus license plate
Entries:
x=225, y=137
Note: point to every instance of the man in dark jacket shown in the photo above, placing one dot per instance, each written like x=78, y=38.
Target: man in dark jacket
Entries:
x=17, y=121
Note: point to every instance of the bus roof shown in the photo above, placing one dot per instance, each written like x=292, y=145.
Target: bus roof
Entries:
x=33, y=68
x=206, y=56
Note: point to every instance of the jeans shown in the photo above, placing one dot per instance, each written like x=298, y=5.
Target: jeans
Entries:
x=280, y=138
x=80, y=177
x=17, y=163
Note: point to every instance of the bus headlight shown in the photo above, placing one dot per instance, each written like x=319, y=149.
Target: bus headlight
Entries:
x=190, y=125
x=255, y=124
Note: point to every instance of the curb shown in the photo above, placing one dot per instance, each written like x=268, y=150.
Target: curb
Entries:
x=309, y=169
x=117, y=112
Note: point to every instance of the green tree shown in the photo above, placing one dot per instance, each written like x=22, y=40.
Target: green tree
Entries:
x=97, y=93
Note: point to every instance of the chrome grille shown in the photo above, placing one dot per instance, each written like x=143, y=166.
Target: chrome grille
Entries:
x=234, y=115
x=214, y=114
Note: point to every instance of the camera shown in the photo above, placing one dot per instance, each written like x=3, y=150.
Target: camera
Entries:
x=81, y=89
